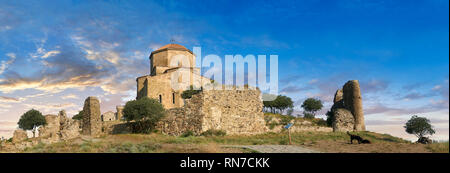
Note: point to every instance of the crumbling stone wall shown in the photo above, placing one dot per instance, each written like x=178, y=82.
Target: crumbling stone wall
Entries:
x=91, y=117
x=233, y=111
x=68, y=128
x=343, y=120
x=19, y=136
x=50, y=131
x=59, y=127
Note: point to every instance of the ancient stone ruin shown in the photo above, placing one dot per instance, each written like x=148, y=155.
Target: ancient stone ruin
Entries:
x=233, y=111
x=91, y=123
x=19, y=136
x=59, y=127
x=119, y=112
x=347, y=109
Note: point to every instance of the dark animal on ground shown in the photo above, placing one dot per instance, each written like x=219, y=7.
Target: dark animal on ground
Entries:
x=358, y=138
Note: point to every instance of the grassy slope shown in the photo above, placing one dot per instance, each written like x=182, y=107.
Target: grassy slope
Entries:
x=322, y=141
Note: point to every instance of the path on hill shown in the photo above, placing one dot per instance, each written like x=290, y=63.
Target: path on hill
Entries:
x=276, y=148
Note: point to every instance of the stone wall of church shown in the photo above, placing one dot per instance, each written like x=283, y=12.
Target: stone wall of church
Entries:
x=160, y=87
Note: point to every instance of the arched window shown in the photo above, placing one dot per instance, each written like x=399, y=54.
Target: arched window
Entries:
x=160, y=99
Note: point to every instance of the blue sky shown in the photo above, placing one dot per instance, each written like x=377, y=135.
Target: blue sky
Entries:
x=53, y=54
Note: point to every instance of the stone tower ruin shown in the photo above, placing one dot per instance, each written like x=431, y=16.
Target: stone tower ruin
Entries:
x=347, y=109
x=91, y=123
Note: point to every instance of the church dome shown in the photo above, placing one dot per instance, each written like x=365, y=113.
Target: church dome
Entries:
x=171, y=46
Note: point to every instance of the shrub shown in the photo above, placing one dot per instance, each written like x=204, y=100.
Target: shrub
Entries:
x=322, y=122
x=187, y=94
x=145, y=112
x=308, y=115
x=187, y=134
x=212, y=132
x=31, y=120
x=330, y=118
x=78, y=116
x=286, y=119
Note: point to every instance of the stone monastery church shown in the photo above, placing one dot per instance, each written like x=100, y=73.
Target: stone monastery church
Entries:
x=158, y=85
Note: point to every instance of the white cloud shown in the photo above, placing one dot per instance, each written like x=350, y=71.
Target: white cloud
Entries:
x=70, y=96
x=4, y=64
x=50, y=53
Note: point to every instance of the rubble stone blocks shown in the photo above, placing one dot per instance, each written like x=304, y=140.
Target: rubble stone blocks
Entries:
x=69, y=128
x=51, y=129
x=343, y=120
x=19, y=135
x=91, y=117
x=353, y=102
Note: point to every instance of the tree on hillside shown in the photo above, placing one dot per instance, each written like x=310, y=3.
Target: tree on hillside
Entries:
x=419, y=126
x=279, y=104
x=311, y=106
x=78, y=116
x=31, y=120
x=146, y=112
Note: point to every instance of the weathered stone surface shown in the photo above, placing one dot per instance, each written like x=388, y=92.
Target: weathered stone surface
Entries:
x=91, y=117
x=233, y=111
x=108, y=116
x=19, y=136
x=353, y=102
x=119, y=113
x=338, y=99
x=343, y=120
x=338, y=96
x=69, y=128
x=50, y=131
x=116, y=127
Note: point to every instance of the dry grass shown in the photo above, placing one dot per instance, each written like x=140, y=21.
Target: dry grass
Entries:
x=159, y=143
x=438, y=147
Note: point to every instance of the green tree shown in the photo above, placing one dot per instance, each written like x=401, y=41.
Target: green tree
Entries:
x=279, y=104
x=31, y=120
x=312, y=105
x=330, y=117
x=283, y=102
x=78, y=116
x=146, y=112
x=419, y=126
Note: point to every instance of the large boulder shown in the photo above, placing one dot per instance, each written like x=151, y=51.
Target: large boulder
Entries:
x=19, y=136
x=343, y=120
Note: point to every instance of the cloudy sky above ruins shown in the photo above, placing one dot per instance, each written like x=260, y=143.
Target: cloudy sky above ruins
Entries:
x=54, y=54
